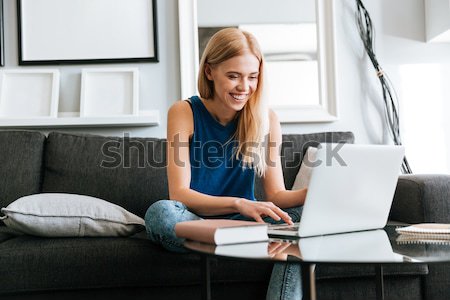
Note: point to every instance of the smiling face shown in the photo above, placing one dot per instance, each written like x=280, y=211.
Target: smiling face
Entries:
x=235, y=81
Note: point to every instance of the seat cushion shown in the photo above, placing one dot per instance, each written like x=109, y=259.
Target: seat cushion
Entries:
x=21, y=156
x=395, y=288
x=129, y=172
x=36, y=264
x=33, y=264
x=334, y=271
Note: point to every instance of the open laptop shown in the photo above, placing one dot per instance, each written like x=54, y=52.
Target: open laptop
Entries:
x=351, y=189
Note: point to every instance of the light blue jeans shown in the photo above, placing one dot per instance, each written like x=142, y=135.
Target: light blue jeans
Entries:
x=160, y=220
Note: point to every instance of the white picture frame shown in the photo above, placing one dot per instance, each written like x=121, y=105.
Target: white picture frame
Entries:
x=109, y=92
x=327, y=108
x=29, y=93
x=86, y=31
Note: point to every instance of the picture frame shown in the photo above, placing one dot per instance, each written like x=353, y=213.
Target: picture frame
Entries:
x=86, y=31
x=2, y=37
x=109, y=92
x=325, y=111
x=29, y=93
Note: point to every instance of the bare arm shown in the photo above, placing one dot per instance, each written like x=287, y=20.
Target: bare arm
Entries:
x=273, y=180
x=180, y=127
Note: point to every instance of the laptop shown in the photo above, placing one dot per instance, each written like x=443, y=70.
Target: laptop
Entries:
x=351, y=188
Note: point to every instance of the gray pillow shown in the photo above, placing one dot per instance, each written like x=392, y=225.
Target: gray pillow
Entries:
x=69, y=215
x=304, y=174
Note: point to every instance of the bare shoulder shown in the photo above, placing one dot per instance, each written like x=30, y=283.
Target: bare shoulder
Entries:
x=180, y=107
x=180, y=116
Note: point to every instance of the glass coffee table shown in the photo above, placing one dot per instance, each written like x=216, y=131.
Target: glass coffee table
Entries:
x=374, y=247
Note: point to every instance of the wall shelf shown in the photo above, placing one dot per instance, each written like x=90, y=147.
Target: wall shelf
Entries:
x=145, y=118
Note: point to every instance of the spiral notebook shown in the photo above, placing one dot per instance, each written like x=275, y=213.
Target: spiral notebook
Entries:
x=424, y=233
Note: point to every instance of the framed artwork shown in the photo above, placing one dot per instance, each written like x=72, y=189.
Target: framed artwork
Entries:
x=29, y=93
x=109, y=92
x=86, y=31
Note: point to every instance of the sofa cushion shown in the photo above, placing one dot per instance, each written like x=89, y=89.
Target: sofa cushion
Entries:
x=70, y=215
x=422, y=198
x=21, y=156
x=395, y=288
x=293, y=148
x=335, y=271
x=32, y=264
x=129, y=172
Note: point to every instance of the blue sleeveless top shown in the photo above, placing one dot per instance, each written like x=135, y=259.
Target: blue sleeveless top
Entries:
x=214, y=168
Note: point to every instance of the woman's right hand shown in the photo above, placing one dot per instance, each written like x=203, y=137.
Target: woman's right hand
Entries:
x=260, y=209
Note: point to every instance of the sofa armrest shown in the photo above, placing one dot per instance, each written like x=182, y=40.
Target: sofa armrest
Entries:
x=422, y=198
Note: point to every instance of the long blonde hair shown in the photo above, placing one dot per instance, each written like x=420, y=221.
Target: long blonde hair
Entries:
x=253, y=118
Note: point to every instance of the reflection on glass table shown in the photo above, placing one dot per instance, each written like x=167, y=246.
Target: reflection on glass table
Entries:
x=372, y=246
x=365, y=246
x=375, y=247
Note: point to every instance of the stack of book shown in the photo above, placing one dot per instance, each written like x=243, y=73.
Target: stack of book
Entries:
x=425, y=233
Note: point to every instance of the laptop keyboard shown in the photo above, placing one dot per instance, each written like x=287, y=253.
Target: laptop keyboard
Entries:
x=293, y=227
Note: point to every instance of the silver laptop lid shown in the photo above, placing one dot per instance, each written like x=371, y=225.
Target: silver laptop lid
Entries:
x=351, y=188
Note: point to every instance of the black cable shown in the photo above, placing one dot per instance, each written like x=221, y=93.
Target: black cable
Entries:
x=390, y=98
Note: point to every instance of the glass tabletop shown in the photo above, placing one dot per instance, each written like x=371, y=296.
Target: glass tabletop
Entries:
x=372, y=246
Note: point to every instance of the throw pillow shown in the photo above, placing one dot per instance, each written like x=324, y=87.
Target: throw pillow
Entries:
x=69, y=215
x=304, y=174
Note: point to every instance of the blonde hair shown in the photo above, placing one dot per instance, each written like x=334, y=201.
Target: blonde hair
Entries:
x=225, y=44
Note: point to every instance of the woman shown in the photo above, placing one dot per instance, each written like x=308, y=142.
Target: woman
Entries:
x=217, y=143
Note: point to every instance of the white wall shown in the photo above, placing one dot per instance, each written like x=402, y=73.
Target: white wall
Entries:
x=159, y=82
x=400, y=48
x=421, y=73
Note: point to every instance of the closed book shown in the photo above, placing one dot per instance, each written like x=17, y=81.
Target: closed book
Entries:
x=222, y=231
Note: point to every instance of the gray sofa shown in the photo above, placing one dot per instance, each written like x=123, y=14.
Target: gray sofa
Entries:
x=131, y=173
